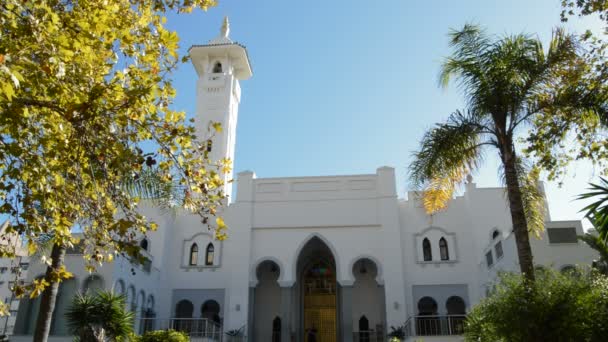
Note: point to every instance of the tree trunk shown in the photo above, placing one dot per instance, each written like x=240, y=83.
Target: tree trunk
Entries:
x=49, y=295
x=518, y=215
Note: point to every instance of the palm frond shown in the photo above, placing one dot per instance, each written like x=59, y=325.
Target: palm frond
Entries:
x=102, y=314
x=150, y=185
x=118, y=321
x=448, y=153
x=597, y=211
x=468, y=43
x=505, y=77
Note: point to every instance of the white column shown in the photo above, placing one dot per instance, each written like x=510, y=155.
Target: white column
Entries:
x=346, y=313
x=394, y=283
x=286, y=310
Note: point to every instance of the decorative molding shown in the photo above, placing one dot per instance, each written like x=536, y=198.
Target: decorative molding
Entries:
x=269, y=188
x=363, y=184
x=315, y=186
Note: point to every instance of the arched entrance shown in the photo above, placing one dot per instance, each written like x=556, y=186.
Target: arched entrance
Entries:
x=368, y=302
x=318, y=290
x=267, y=303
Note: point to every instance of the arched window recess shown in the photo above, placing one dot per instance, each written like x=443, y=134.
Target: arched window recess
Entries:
x=193, y=261
x=426, y=250
x=209, y=255
x=443, y=249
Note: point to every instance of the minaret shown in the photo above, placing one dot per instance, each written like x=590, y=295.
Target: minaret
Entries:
x=220, y=65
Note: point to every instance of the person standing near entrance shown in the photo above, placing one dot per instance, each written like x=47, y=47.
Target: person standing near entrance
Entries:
x=311, y=336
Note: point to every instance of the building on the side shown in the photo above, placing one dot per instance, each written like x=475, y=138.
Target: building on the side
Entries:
x=11, y=270
x=329, y=258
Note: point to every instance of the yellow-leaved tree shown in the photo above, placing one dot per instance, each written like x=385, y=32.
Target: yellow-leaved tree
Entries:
x=83, y=83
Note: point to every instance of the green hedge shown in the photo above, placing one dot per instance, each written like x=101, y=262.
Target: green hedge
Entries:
x=557, y=307
x=164, y=336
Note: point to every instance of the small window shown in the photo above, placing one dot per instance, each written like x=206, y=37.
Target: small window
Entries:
x=498, y=249
x=194, y=255
x=209, y=255
x=562, y=235
x=489, y=259
x=443, y=249
x=144, y=244
x=426, y=250
x=217, y=68
x=495, y=234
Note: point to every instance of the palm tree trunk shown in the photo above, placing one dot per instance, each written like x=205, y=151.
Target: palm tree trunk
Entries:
x=518, y=215
x=49, y=295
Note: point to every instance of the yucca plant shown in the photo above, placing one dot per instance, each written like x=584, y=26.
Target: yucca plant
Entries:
x=99, y=317
x=507, y=82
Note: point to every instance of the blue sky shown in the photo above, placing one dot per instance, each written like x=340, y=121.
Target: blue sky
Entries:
x=343, y=87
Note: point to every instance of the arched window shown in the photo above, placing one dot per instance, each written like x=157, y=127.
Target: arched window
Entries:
x=429, y=325
x=444, y=253
x=211, y=311
x=363, y=329
x=183, y=309
x=498, y=250
x=455, y=306
x=426, y=250
x=217, y=68
x=209, y=254
x=456, y=310
x=144, y=244
x=150, y=303
x=569, y=269
x=92, y=284
x=132, y=299
x=194, y=255
x=427, y=306
x=119, y=287
x=276, y=329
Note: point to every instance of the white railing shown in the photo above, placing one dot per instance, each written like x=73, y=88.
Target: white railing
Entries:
x=368, y=336
x=194, y=327
x=433, y=325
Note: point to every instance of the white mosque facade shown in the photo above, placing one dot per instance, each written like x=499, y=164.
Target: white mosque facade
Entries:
x=329, y=258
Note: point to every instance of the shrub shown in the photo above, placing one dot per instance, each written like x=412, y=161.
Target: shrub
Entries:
x=164, y=336
x=557, y=307
x=99, y=317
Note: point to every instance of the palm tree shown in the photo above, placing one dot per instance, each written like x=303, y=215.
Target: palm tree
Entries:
x=99, y=318
x=504, y=81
